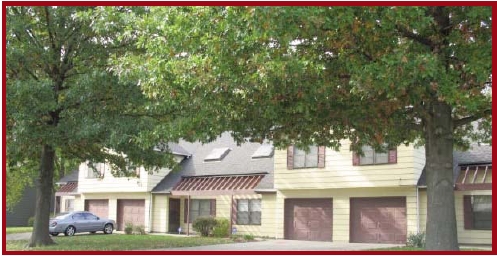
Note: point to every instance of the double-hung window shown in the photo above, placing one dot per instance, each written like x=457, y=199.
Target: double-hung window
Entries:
x=248, y=212
x=478, y=212
x=199, y=208
x=371, y=156
x=305, y=159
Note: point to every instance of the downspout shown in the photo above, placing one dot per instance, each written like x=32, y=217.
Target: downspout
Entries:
x=231, y=216
x=417, y=209
x=150, y=213
x=188, y=217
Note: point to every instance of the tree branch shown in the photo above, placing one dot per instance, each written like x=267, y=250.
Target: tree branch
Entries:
x=416, y=37
x=469, y=119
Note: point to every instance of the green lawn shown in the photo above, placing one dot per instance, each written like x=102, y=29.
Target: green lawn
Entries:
x=116, y=242
x=12, y=230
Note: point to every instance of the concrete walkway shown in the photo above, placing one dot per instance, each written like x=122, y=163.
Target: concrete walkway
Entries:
x=18, y=236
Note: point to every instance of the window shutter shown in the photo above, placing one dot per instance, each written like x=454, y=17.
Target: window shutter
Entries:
x=289, y=158
x=355, y=159
x=392, y=156
x=321, y=155
x=468, y=212
x=234, y=211
x=213, y=207
x=185, y=215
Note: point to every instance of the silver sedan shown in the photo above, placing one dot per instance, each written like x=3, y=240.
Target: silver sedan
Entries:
x=80, y=221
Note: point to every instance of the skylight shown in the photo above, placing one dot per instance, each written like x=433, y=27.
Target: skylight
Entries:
x=264, y=151
x=217, y=154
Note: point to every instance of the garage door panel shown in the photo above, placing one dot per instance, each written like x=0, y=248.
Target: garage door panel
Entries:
x=378, y=220
x=130, y=211
x=309, y=219
x=99, y=207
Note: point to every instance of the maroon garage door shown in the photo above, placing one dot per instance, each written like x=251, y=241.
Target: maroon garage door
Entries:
x=130, y=211
x=309, y=219
x=99, y=207
x=378, y=220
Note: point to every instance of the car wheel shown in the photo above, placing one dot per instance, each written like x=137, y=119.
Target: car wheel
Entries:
x=54, y=234
x=70, y=231
x=108, y=228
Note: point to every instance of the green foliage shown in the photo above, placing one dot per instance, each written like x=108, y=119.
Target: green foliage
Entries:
x=416, y=240
x=249, y=237
x=292, y=74
x=139, y=229
x=204, y=225
x=222, y=228
x=31, y=221
x=128, y=228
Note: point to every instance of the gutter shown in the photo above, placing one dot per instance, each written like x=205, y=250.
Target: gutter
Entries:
x=266, y=191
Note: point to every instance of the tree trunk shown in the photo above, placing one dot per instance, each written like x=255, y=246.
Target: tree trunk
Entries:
x=441, y=228
x=40, y=235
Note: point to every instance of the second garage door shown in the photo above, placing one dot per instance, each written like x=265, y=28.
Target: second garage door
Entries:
x=130, y=211
x=378, y=220
x=99, y=207
x=309, y=219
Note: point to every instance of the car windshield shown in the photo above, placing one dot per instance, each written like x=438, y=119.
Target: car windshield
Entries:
x=61, y=215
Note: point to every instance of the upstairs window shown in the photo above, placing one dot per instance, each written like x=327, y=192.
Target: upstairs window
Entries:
x=373, y=157
x=299, y=158
x=97, y=171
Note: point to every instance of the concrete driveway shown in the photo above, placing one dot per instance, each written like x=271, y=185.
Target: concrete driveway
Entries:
x=285, y=245
x=267, y=245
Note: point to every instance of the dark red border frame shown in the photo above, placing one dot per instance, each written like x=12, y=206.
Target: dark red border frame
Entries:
x=216, y=3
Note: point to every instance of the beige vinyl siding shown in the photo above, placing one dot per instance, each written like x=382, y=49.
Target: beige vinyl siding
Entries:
x=113, y=197
x=160, y=213
x=223, y=210
x=79, y=203
x=145, y=183
x=341, y=206
x=340, y=173
x=464, y=236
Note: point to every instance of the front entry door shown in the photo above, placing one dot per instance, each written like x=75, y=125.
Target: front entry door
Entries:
x=174, y=215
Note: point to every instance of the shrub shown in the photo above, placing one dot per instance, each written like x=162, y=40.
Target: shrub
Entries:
x=249, y=237
x=128, y=228
x=31, y=221
x=204, y=225
x=139, y=229
x=416, y=240
x=222, y=228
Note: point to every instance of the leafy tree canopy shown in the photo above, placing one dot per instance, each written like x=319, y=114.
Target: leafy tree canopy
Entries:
x=295, y=74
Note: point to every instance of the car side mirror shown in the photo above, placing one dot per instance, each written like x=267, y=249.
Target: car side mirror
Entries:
x=98, y=218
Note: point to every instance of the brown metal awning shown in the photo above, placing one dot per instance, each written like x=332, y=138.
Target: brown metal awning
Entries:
x=475, y=177
x=70, y=188
x=217, y=185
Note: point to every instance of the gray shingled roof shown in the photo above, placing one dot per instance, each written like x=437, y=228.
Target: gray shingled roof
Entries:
x=477, y=154
x=73, y=176
x=173, y=147
x=238, y=161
